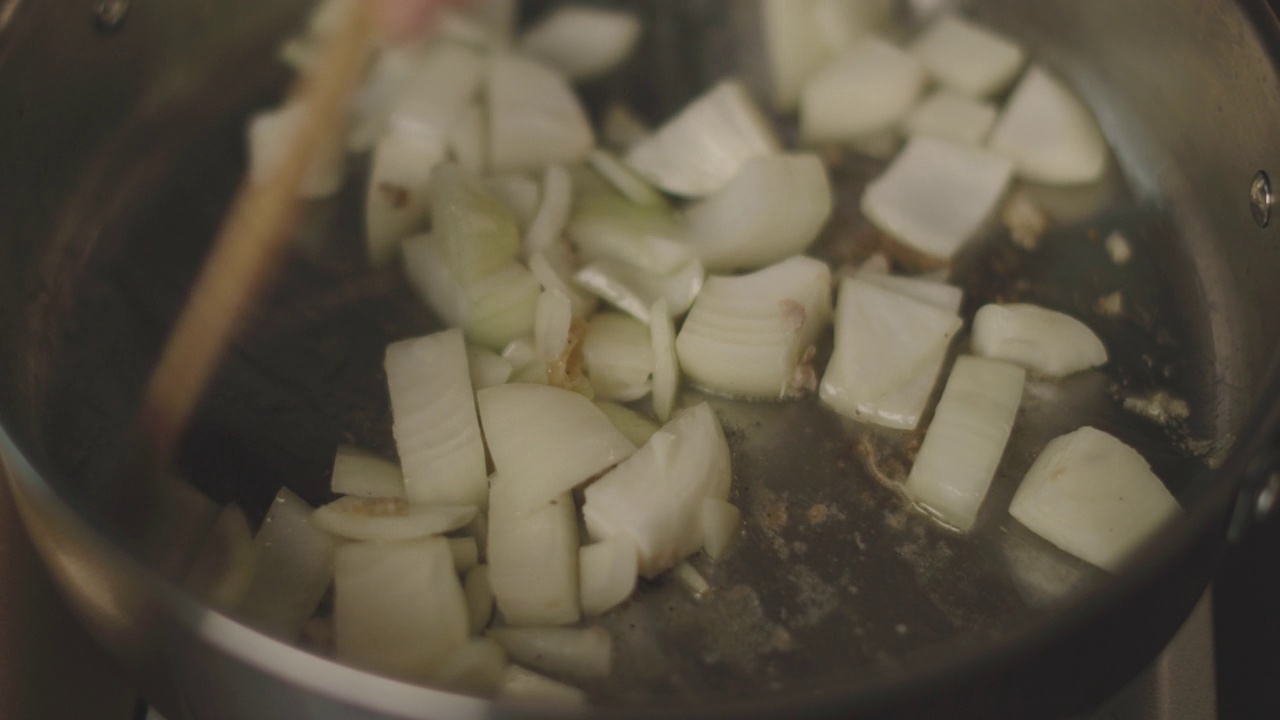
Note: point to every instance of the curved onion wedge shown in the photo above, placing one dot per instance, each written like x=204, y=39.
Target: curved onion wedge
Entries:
x=476, y=230
x=608, y=572
x=666, y=364
x=526, y=686
x=221, y=573
x=966, y=57
x=582, y=42
x=475, y=667
x=533, y=557
x=1049, y=133
x=636, y=427
x=387, y=519
x=618, y=357
x=579, y=653
x=555, y=200
x=952, y=116
x=698, y=151
x=361, y=473
x=745, y=335
x=936, y=194
x=634, y=291
x=479, y=591
x=867, y=89
x=534, y=117
x=1041, y=340
x=486, y=367
x=1093, y=496
x=654, y=498
x=964, y=443
x=435, y=427
x=645, y=237
x=772, y=209
x=721, y=522
x=795, y=46
x=546, y=441
x=398, y=608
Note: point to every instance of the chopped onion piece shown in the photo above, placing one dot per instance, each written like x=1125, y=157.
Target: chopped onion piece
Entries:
x=221, y=573
x=388, y=519
x=845, y=22
x=666, y=364
x=772, y=209
x=376, y=96
x=933, y=291
x=579, y=653
x=968, y=58
x=1093, y=496
x=554, y=267
x=964, y=443
x=476, y=230
x=546, y=440
x=534, y=117
x=553, y=211
x=527, y=686
x=477, y=667
x=632, y=186
x=1049, y=133
x=866, y=90
x=533, y=556
x=654, y=498
x=936, y=194
x=269, y=136
x=795, y=45
x=519, y=193
x=608, y=572
x=398, y=608
x=465, y=552
x=746, y=335
x=647, y=238
x=622, y=128
x=1041, y=340
x=721, y=523
x=292, y=572
x=551, y=324
x=689, y=576
x=438, y=92
x=582, y=42
x=904, y=406
x=486, y=367
x=700, y=150
x=618, y=357
x=636, y=427
x=634, y=291
x=952, y=116
x=520, y=352
x=467, y=141
x=398, y=201
x=479, y=592
x=363, y=474
x=435, y=426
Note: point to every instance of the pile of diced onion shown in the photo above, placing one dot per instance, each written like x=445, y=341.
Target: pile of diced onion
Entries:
x=587, y=273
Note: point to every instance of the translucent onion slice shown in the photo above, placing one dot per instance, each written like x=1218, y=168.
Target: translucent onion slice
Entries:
x=608, y=572
x=772, y=209
x=292, y=572
x=795, y=45
x=936, y=194
x=434, y=420
x=866, y=90
x=1093, y=496
x=951, y=116
x=636, y=427
x=467, y=141
x=479, y=591
x=269, y=135
x=968, y=58
x=634, y=291
x=486, y=367
x=1041, y=340
x=554, y=267
x=700, y=150
x=535, y=119
x=578, y=653
x=476, y=230
x=845, y=22
x=618, y=357
x=476, y=667
x=582, y=42
x=1049, y=133
x=389, y=519
x=398, y=608
x=964, y=443
x=554, y=203
x=551, y=324
x=721, y=524
x=545, y=440
x=398, y=201
x=654, y=498
x=646, y=237
x=624, y=180
x=745, y=335
x=363, y=474
x=533, y=557
x=526, y=686
x=222, y=572
x=666, y=364
x=465, y=552
x=904, y=406
x=926, y=289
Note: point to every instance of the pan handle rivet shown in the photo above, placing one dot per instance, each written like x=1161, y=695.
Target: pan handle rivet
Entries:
x=108, y=15
x=1267, y=496
x=1261, y=198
